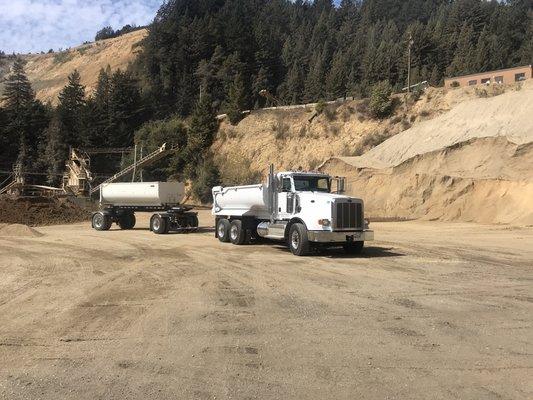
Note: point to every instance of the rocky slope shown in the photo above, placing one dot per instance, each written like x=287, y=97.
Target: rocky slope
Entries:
x=48, y=72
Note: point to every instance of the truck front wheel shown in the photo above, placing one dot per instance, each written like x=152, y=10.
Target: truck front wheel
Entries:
x=238, y=235
x=298, y=240
x=223, y=227
x=159, y=224
x=101, y=221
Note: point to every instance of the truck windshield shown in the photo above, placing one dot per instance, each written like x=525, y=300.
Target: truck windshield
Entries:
x=311, y=184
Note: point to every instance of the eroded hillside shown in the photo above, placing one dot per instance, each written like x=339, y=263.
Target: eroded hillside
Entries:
x=48, y=72
x=463, y=154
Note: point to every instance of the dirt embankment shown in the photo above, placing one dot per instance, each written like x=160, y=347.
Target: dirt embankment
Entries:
x=48, y=73
x=38, y=211
x=296, y=138
x=462, y=154
x=474, y=163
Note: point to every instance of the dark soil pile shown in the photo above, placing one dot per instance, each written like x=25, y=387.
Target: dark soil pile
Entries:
x=38, y=211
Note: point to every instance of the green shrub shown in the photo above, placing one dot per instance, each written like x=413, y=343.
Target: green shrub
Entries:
x=320, y=106
x=416, y=93
x=236, y=169
x=207, y=176
x=380, y=101
x=281, y=129
x=63, y=57
x=330, y=112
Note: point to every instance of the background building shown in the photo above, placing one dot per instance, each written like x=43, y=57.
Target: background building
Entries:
x=508, y=75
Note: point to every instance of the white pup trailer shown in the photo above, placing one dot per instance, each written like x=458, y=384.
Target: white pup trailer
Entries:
x=120, y=201
x=298, y=208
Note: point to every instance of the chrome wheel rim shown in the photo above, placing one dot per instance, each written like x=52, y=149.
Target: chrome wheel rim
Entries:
x=98, y=220
x=233, y=232
x=221, y=230
x=156, y=224
x=295, y=239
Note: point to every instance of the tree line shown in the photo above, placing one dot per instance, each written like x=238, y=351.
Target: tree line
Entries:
x=37, y=136
x=304, y=51
x=211, y=56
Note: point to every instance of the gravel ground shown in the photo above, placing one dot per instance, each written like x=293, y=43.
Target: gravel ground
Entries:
x=430, y=311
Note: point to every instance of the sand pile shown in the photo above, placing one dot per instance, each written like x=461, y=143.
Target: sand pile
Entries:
x=474, y=163
x=37, y=211
x=508, y=115
x=19, y=230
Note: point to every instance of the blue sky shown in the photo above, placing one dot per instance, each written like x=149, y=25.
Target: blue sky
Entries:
x=35, y=25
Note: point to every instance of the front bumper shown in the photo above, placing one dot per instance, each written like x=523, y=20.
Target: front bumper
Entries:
x=340, y=237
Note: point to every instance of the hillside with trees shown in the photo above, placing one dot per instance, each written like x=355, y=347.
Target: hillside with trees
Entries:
x=215, y=56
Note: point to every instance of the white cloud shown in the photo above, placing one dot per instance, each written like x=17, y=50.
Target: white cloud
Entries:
x=38, y=25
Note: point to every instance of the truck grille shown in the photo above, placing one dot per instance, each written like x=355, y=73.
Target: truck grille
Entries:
x=347, y=215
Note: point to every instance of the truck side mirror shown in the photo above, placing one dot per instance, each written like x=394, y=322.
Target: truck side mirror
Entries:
x=341, y=184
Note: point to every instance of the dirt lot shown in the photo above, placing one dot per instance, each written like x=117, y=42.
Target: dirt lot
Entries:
x=431, y=311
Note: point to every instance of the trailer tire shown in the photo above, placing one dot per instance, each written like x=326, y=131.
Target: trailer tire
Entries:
x=127, y=221
x=354, y=247
x=223, y=226
x=298, y=240
x=237, y=235
x=193, y=221
x=159, y=224
x=101, y=221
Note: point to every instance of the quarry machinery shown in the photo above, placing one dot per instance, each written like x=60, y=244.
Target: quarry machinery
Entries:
x=299, y=208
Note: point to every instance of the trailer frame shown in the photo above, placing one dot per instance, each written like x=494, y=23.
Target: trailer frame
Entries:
x=176, y=218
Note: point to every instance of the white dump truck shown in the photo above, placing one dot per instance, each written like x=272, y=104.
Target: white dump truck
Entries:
x=120, y=201
x=299, y=208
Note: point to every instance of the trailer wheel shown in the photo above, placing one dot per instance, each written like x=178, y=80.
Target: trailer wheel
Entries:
x=298, y=240
x=127, y=221
x=223, y=227
x=101, y=221
x=159, y=224
x=193, y=221
x=237, y=235
x=354, y=247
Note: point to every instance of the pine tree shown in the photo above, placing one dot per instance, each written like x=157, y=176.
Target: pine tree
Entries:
x=464, y=53
x=483, y=57
x=18, y=92
x=71, y=111
x=126, y=109
x=236, y=102
x=54, y=152
x=337, y=77
x=202, y=129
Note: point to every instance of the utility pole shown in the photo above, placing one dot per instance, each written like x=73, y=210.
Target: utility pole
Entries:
x=134, y=163
x=411, y=42
x=141, y=172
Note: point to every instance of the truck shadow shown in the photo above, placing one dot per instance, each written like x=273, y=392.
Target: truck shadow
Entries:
x=368, y=252
x=338, y=252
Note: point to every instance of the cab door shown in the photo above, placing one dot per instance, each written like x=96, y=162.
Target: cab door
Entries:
x=285, y=196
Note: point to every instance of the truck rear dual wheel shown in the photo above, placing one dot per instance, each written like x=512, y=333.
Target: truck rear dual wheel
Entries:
x=101, y=221
x=237, y=234
x=298, y=240
x=159, y=224
x=223, y=227
x=127, y=221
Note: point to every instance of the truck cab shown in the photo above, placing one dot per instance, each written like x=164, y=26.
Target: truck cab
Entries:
x=304, y=209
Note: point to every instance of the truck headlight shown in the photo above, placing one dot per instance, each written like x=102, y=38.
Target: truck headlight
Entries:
x=367, y=223
x=324, y=222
